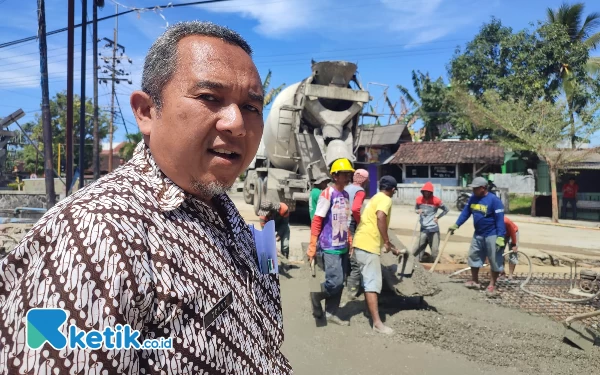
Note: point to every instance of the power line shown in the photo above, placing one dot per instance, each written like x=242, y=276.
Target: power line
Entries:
x=139, y=10
x=121, y=113
x=32, y=61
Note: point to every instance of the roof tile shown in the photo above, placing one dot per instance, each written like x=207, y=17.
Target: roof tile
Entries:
x=449, y=152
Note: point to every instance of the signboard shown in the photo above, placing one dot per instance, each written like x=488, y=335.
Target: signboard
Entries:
x=443, y=171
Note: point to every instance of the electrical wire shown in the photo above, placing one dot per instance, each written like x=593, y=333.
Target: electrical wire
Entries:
x=139, y=10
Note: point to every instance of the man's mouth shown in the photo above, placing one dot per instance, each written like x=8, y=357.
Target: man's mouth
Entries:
x=225, y=154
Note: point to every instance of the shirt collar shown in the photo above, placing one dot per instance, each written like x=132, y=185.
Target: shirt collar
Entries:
x=168, y=194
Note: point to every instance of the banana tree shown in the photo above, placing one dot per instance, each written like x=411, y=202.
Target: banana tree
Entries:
x=272, y=93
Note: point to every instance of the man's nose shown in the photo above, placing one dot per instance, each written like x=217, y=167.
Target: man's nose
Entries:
x=232, y=121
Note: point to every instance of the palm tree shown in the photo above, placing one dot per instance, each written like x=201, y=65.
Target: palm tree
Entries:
x=270, y=94
x=126, y=152
x=571, y=16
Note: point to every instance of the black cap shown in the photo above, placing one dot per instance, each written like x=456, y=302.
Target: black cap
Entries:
x=387, y=183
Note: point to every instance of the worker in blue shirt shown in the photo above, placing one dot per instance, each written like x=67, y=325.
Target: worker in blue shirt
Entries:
x=488, y=241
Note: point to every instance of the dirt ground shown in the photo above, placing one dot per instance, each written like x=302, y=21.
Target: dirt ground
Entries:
x=458, y=331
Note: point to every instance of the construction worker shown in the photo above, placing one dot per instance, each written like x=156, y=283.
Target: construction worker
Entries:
x=427, y=206
x=488, y=240
x=280, y=213
x=319, y=185
x=371, y=235
x=356, y=193
x=512, y=240
x=330, y=229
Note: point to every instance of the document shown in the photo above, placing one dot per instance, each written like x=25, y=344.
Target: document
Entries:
x=266, y=247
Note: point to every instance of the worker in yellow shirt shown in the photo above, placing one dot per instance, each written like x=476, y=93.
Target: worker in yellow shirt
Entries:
x=371, y=235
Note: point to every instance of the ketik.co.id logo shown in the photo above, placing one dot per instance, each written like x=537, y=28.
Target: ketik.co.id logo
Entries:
x=44, y=325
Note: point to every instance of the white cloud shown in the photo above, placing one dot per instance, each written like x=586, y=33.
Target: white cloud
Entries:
x=412, y=21
x=275, y=17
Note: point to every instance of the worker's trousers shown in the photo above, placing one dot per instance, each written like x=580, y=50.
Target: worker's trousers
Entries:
x=335, y=266
x=427, y=238
x=283, y=231
x=353, y=280
x=573, y=203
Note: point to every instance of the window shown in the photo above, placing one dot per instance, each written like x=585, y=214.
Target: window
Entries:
x=417, y=171
x=443, y=171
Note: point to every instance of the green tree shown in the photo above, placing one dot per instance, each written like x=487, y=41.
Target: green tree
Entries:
x=577, y=91
x=58, y=118
x=540, y=127
x=431, y=106
x=272, y=93
x=523, y=66
x=126, y=152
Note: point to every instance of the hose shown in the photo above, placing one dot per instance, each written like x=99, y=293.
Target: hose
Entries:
x=556, y=299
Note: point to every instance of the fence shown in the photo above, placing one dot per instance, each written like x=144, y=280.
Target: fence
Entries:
x=406, y=194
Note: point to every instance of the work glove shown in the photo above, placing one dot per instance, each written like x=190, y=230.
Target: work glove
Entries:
x=500, y=242
x=312, y=247
x=452, y=228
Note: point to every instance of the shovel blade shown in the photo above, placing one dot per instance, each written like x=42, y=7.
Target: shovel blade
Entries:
x=581, y=336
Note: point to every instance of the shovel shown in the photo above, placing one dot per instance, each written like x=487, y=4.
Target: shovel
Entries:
x=440, y=253
x=578, y=334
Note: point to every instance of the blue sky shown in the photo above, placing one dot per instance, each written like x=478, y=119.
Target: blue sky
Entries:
x=386, y=38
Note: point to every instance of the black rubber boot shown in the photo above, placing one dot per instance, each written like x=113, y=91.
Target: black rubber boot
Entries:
x=315, y=299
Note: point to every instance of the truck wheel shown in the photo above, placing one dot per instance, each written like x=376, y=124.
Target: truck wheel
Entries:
x=248, y=196
x=258, y=194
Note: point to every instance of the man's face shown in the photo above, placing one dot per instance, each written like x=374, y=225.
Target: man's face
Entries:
x=572, y=182
x=427, y=194
x=479, y=191
x=210, y=124
x=342, y=178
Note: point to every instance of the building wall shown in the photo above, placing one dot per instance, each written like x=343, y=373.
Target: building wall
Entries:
x=438, y=181
x=517, y=184
x=406, y=194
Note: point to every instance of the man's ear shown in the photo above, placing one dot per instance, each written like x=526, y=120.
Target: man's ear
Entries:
x=144, y=110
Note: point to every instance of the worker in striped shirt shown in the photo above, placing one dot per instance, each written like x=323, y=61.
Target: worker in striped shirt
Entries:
x=279, y=212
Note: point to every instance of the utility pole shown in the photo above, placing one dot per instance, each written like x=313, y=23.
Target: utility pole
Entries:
x=46, y=125
x=95, y=136
x=112, y=96
x=70, y=69
x=82, y=96
x=114, y=78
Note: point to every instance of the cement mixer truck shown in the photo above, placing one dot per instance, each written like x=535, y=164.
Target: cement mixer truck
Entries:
x=311, y=124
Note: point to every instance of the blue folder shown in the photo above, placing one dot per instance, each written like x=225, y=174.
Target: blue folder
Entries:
x=266, y=247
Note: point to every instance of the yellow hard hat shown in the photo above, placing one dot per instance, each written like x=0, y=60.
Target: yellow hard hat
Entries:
x=341, y=165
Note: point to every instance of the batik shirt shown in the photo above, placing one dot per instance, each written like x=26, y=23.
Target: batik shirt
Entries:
x=334, y=207
x=134, y=248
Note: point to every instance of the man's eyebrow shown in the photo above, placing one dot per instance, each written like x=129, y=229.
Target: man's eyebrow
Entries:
x=256, y=96
x=205, y=84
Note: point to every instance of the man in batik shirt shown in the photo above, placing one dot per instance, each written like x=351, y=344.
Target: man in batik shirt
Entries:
x=157, y=245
